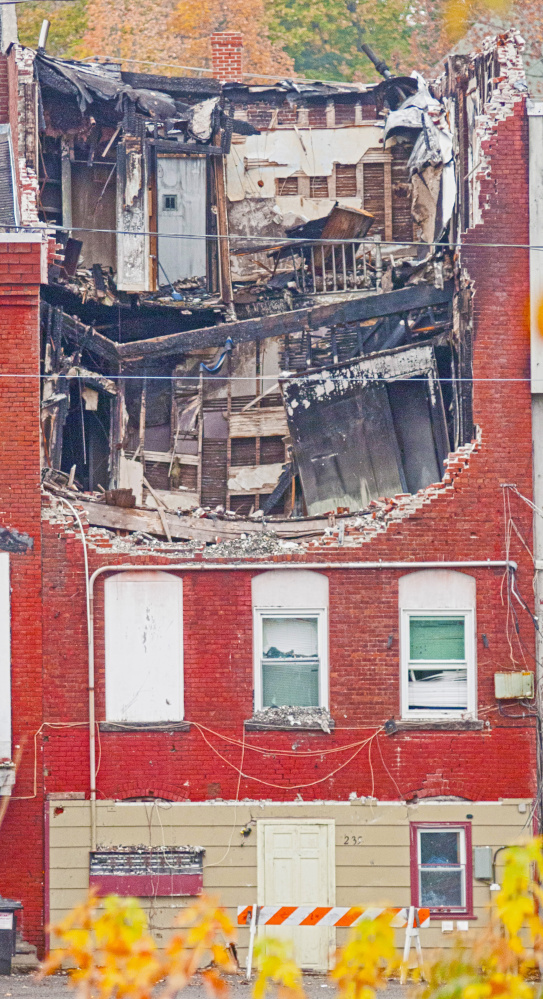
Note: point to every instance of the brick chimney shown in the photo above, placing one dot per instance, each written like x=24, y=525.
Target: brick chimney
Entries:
x=226, y=48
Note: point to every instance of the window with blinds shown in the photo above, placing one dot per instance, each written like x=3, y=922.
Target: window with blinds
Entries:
x=290, y=661
x=437, y=666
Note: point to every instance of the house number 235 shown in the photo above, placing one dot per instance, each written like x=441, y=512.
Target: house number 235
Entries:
x=352, y=841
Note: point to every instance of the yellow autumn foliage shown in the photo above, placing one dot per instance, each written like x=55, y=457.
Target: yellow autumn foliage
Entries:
x=112, y=954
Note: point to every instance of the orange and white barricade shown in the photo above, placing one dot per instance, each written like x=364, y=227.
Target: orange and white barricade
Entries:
x=411, y=919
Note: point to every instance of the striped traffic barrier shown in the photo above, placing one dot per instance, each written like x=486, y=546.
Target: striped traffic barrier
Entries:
x=411, y=919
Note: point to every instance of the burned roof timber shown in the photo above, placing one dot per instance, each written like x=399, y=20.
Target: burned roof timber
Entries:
x=356, y=310
x=84, y=336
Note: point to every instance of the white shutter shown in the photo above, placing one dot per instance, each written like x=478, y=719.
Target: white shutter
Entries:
x=144, y=647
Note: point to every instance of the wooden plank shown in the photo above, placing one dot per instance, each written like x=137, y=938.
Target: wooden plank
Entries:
x=244, y=331
x=196, y=528
x=271, y=422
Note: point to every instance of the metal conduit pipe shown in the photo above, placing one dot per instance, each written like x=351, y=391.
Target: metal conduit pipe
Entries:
x=234, y=567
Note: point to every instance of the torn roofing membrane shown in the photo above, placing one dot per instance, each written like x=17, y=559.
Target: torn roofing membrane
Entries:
x=425, y=116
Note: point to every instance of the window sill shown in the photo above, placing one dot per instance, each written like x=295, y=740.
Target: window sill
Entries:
x=290, y=720
x=439, y=916
x=428, y=725
x=110, y=726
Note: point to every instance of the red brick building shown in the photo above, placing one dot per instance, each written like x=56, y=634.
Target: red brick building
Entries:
x=148, y=690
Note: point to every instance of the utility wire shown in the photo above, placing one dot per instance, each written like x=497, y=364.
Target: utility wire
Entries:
x=331, y=375
x=281, y=240
x=358, y=87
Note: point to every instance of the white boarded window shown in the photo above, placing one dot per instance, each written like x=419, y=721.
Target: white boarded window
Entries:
x=144, y=647
x=290, y=610
x=437, y=622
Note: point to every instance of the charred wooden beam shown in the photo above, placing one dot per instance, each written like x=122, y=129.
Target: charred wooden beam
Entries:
x=196, y=148
x=359, y=309
x=85, y=337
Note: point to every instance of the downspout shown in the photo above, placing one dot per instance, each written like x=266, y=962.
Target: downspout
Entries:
x=90, y=639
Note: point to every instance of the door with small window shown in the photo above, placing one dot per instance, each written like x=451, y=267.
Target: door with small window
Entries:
x=181, y=212
x=441, y=868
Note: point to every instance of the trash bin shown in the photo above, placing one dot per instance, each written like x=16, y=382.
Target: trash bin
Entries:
x=8, y=932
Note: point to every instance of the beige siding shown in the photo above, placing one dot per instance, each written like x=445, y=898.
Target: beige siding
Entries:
x=372, y=849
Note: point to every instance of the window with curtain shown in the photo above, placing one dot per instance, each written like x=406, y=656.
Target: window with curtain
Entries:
x=290, y=661
x=441, y=866
x=437, y=664
x=290, y=639
x=437, y=645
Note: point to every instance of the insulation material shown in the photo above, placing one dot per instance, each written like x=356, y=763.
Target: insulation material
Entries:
x=131, y=477
x=90, y=398
x=250, y=479
x=425, y=196
x=367, y=428
x=201, y=125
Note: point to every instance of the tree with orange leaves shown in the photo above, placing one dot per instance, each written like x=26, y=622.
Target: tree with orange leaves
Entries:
x=176, y=33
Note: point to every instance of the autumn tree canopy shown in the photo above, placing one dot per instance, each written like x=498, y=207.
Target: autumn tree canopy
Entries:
x=319, y=39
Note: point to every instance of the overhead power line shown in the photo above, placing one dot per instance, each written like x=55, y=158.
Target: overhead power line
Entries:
x=269, y=241
x=206, y=69
x=333, y=376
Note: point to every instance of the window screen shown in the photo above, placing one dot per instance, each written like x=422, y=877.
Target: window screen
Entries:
x=290, y=662
x=442, y=868
x=437, y=668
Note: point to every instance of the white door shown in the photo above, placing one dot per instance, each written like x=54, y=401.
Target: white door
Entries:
x=181, y=196
x=296, y=866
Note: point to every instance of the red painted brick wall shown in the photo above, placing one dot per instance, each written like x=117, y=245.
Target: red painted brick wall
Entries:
x=226, y=53
x=466, y=523
x=21, y=836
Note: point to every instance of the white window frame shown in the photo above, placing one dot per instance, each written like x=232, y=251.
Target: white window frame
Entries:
x=438, y=593
x=469, y=642
x=462, y=864
x=260, y=615
x=291, y=593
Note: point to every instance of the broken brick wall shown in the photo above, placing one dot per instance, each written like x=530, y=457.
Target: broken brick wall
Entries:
x=464, y=521
x=21, y=858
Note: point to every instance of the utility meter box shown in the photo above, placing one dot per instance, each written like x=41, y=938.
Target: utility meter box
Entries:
x=508, y=686
x=482, y=863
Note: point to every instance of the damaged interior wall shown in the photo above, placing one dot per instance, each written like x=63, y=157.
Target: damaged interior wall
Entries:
x=245, y=419
x=307, y=158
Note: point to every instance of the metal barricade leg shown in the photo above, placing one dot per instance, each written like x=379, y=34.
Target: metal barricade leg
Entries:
x=252, y=934
x=412, y=932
